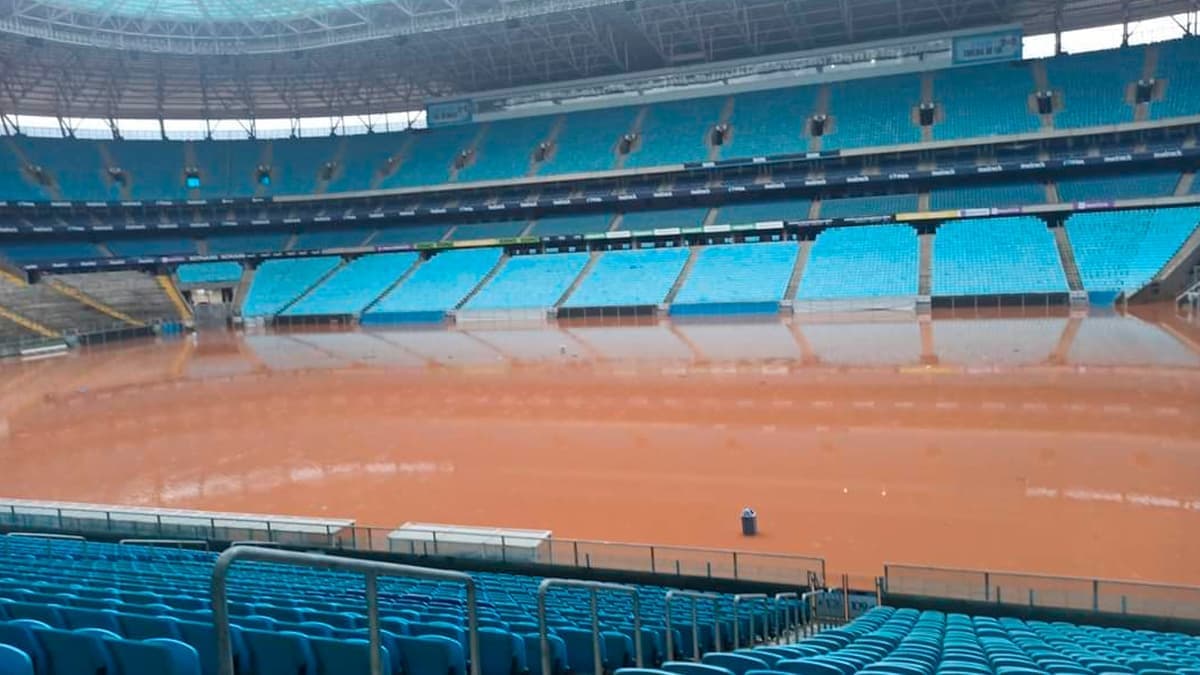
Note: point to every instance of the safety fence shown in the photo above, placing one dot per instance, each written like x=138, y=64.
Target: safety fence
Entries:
x=1044, y=591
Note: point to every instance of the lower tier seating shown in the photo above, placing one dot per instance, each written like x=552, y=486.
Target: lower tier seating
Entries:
x=996, y=256
x=277, y=283
x=1124, y=250
x=530, y=281
x=355, y=286
x=756, y=273
x=630, y=278
x=857, y=262
x=439, y=284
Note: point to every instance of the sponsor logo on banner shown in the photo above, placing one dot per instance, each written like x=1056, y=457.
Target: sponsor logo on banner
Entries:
x=449, y=113
x=1003, y=45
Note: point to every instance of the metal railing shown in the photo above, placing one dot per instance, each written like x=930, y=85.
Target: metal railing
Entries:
x=594, y=588
x=695, y=597
x=1044, y=591
x=370, y=569
x=737, y=620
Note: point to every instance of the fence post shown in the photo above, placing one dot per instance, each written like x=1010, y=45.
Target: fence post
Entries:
x=1095, y=595
x=735, y=576
x=435, y=551
x=987, y=587
x=652, y=570
x=503, y=550
x=575, y=544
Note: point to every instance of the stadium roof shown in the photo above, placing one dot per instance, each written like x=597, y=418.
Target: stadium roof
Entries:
x=217, y=59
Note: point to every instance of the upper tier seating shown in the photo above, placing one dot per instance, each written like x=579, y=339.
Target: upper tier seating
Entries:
x=362, y=160
x=1108, y=188
x=560, y=226
x=15, y=185
x=1093, y=86
x=529, y=281
x=1123, y=251
x=1177, y=68
x=630, y=278
x=296, y=163
x=879, y=205
x=739, y=274
x=230, y=168
x=355, y=286
x=154, y=171
x=873, y=112
x=133, y=293
x=151, y=246
x=209, y=273
x=987, y=196
x=430, y=156
x=588, y=140
x=76, y=165
x=277, y=283
x=640, y=221
x=763, y=212
x=676, y=132
x=345, y=237
x=409, y=234
x=772, y=122
x=440, y=283
x=47, y=251
x=1005, y=87
x=223, y=244
x=996, y=256
x=859, y=262
x=506, y=150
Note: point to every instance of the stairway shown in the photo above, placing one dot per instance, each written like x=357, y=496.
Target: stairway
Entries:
x=587, y=269
x=635, y=128
x=316, y=284
x=393, y=286
x=798, y=270
x=1067, y=255
x=483, y=282
x=181, y=306
x=1184, y=187
x=26, y=323
x=925, y=265
x=683, y=275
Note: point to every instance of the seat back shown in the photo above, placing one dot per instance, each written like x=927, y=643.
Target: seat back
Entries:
x=689, y=668
x=432, y=655
x=47, y=614
x=159, y=656
x=20, y=635
x=203, y=638
x=335, y=657
x=13, y=661
x=71, y=653
x=76, y=618
x=738, y=664
x=533, y=654
x=136, y=627
x=500, y=652
x=279, y=653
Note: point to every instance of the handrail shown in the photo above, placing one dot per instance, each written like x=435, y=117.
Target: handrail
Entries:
x=178, y=543
x=792, y=627
x=1034, y=575
x=737, y=600
x=370, y=568
x=47, y=535
x=594, y=587
x=694, y=596
x=808, y=598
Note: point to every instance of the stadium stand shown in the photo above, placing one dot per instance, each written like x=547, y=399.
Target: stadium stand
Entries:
x=763, y=212
x=770, y=122
x=355, y=286
x=1093, y=86
x=78, y=170
x=737, y=279
x=529, y=282
x=277, y=283
x=675, y=132
x=296, y=163
x=223, y=244
x=413, y=234
x=861, y=262
x=227, y=168
x=154, y=171
x=636, y=221
x=874, y=112
x=48, y=251
x=1108, y=188
x=996, y=256
x=430, y=156
x=1124, y=250
x=131, y=293
x=151, y=246
x=1006, y=88
x=208, y=273
x=497, y=230
x=987, y=196
x=51, y=308
x=1177, y=67
x=362, y=161
x=560, y=226
x=588, y=140
x=506, y=150
x=630, y=278
x=339, y=238
x=436, y=287
x=14, y=181
x=878, y=205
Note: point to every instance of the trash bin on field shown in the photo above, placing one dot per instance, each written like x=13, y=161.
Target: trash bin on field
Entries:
x=749, y=522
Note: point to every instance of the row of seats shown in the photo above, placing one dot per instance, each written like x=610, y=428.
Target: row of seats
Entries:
x=278, y=283
x=1090, y=90
x=1124, y=251
x=996, y=256
x=861, y=262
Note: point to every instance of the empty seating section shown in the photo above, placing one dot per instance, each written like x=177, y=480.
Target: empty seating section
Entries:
x=297, y=163
x=430, y=156
x=46, y=251
x=561, y=226
x=1093, y=86
x=362, y=161
x=15, y=184
x=996, y=256
x=529, y=281
x=506, y=151
x=155, y=170
x=346, y=237
x=879, y=205
x=296, y=620
x=639, y=221
x=763, y=212
x=499, y=230
x=873, y=112
x=228, y=168
x=1006, y=89
x=630, y=278
x=1177, y=68
x=987, y=196
x=77, y=166
x=209, y=273
x=152, y=246
x=134, y=294
x=52, y=309
x=1123, y=251
x=1107, y=188
x=439, y=284
x=277, y=283
x=734, y=273
x=411, y=234
x=355, y=286
x=676, y=132
x=224, y=244
x=859, y=262
x=772, y=122
x=588, y=140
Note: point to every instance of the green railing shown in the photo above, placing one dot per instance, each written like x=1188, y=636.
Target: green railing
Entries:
x=1044, y=591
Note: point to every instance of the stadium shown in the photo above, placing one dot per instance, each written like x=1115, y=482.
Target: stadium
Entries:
x=599, y=337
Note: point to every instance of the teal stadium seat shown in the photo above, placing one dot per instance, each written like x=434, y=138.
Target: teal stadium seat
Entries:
x=561, y=226
x=861, y=262
x=588, y=140
x=873, y=112
x=506, y=151
x=987, y=196
x=499, y=230
x=1123, y=250
x=210, y=272
x=355, y=286
x=151, y=246
x=763, y=212
x=1006, y=87
x=772, y=122
x=676, y=132
x=639, y=221
x=1177, y=69
x=632, y=278
x=1093, y=86
x=1109, y=188
x=13, y=661
x=879, y=205
x=529, y=282
x=436, y=287
x=996, y=256
x=739, y=277
x=227, y=244
x=277, y=283
x=346, y=237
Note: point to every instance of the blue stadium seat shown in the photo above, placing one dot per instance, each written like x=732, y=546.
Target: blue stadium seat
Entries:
x=158, y=656
x=533, y=654
x=75, y=618
x=21, y=635
x=873, y=112
x=501, y=652
x=531, y=281
x=1123, y=250
x=996, y=256
x=744, y=274
x=738, y=664
x=437, y=286
x=689, y=668
x=214, y=272
x=13, y=661
x=277, y=283
x=138, y=627
x=771, y=122
x=279, y=653
x=861, y=262
x=432, y=655
x=203, y=638
x=75, y=652
x=335, y=657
